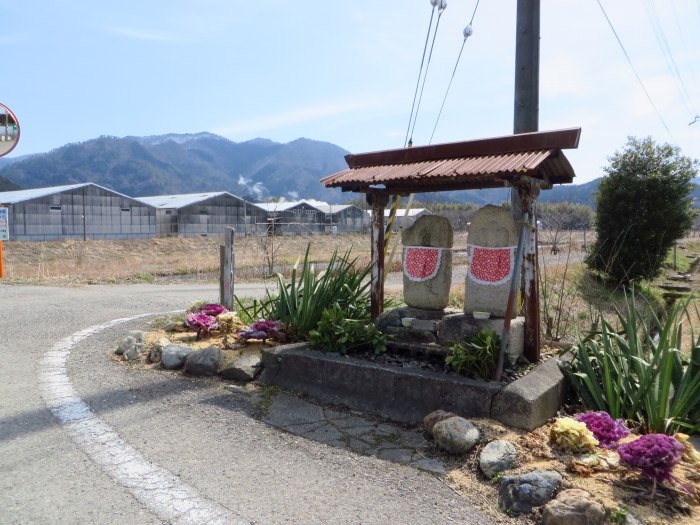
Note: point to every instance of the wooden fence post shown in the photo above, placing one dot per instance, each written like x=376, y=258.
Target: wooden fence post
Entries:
x=227, y=269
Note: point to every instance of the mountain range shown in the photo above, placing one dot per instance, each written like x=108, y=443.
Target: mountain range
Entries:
x=256, y=170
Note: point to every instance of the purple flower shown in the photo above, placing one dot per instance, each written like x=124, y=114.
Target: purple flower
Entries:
x=605, y=429
x=265, y=326
x=262, y=330
x=654, y=454
x=201, y=323
x=212, y=309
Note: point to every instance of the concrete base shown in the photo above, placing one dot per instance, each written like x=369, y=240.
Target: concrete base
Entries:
x=406, y=395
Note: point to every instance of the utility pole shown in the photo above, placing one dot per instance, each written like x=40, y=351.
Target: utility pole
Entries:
x=524, y=195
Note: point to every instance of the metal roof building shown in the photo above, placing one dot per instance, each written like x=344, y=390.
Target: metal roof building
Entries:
x=314, y=217
x=204, y=214
x=76, y=211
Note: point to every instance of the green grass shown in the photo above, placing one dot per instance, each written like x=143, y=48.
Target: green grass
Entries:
x=683, y=262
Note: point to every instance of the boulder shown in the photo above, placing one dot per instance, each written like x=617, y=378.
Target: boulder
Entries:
x=126, y=344
x=496, y=457
x=204, y=362
x=431, y=419
x=573, y=507
x=156, y=353
x=243, y=369
x=455, y=435
x=173, y=356
x=138, y=335
x=518, y=494
x=134, y=353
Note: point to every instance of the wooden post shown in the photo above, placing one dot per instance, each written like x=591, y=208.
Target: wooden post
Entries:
x=378, y=201
x=2, y=270
x=228, y=268
x=530, y=284
x=524, y=198
x=222, y=271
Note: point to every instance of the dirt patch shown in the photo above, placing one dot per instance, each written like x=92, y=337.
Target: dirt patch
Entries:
x=611, y=484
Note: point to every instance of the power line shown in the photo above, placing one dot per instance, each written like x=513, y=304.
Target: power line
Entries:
x=441, y=5
x=441, y=9
x=635, y=72
x=420, y=72
x=685, y=46
x=667, y=53
x=468, y=31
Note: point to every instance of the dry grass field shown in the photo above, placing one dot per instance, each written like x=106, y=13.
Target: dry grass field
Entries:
x=78, y=262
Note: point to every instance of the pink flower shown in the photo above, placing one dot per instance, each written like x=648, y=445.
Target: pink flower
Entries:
x=212, y=309
x=605, y=429
x=201, y=323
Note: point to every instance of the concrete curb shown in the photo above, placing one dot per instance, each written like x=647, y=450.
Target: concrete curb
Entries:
x=406, y=395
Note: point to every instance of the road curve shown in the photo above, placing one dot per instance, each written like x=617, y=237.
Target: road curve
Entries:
x=203, y=439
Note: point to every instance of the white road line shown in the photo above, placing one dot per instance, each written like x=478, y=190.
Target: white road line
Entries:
x=154, y=486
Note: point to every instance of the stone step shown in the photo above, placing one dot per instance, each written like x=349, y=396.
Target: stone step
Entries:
x=675, y=287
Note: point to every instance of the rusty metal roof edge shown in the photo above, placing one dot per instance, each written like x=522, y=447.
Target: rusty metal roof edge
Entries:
x=557, y=139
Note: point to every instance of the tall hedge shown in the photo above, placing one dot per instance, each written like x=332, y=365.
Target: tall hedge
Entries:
x=643, y=206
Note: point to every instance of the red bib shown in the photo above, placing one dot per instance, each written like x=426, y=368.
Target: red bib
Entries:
x=421, y=263
x=490, y=266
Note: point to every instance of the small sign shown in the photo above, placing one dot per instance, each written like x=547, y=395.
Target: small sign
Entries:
x=4, y=224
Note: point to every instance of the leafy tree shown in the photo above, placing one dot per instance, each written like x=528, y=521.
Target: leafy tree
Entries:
x=643, y=206
x=565, y=216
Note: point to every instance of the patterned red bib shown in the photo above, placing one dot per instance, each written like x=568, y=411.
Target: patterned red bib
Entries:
x=421, y=263
x=490, y=266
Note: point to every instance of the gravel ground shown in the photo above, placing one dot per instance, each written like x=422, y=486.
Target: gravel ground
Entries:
x=211, y=440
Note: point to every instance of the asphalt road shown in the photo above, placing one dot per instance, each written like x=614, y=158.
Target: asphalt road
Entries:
x=130, y=445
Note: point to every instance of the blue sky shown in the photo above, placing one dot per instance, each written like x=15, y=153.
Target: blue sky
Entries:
x=345, y=71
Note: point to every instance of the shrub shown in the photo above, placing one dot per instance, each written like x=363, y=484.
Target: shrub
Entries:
x=301, y=301
x=477, y=357
x=643, y=206
x=639, y=373
x=337, y=333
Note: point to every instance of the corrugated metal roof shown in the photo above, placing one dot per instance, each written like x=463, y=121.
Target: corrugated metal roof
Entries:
x=179, y=201
x=12, y=197
x=287, y=205
x=332, y=208
x=485, y=163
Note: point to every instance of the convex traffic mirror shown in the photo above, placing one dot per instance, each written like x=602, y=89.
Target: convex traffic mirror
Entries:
x=9, y=130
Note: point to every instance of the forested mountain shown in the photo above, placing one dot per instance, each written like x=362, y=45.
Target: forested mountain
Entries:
x=170, y=164
x=257, y=170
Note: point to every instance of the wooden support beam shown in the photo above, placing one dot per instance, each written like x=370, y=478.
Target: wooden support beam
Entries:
x=378, y=201
x=530, y=278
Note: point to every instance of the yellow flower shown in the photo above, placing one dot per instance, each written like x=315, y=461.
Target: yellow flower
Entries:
x=572, y=436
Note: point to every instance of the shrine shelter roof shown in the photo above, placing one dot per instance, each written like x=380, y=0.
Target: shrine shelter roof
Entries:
x=474, y=164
